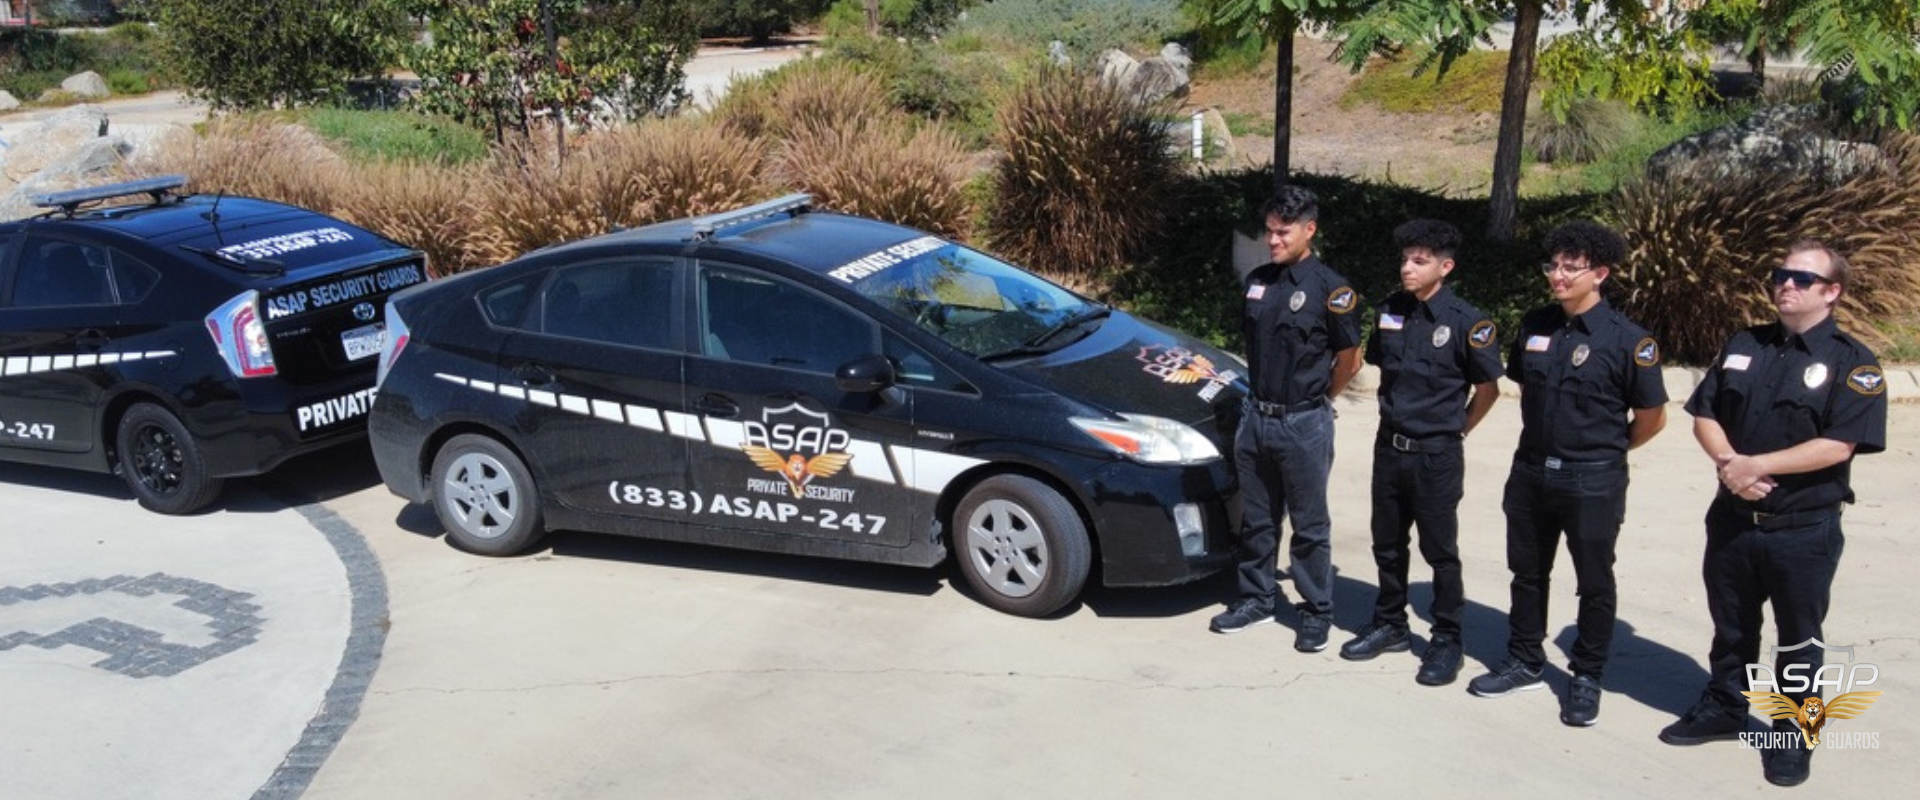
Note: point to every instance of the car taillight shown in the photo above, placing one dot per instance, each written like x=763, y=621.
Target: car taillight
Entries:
x=241, y=336
x=396, y=341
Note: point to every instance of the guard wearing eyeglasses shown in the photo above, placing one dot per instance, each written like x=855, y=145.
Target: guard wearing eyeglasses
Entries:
x=1782, y=413
x=1431, y=347
x=1590, y=390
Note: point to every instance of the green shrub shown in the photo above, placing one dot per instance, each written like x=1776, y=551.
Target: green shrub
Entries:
x=1701, y=244
x=1592, y=129
x=882, y=168
x=939, y=82
x=1087, y=27
x=1085, y=179
x=396, y=135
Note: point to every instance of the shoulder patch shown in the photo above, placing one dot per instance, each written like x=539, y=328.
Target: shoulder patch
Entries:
x=1867, y=380
x=1341, y=301
x=1646, y=353
x=1482, y=333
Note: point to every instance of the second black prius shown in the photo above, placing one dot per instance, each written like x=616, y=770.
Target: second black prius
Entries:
x=790, y=380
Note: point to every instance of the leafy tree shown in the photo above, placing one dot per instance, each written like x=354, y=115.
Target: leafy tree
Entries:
x=1655, y=68
x=1871, y=46
x=758, y=20
x=251, y=54
x=502, y=64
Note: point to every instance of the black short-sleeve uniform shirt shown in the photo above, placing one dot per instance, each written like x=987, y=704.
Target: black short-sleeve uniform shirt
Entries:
x=1771, y=390
x=1429, y=353
x=1578, y=377
x=1296, y=318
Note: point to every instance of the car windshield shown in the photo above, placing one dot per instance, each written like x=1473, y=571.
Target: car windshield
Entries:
x=981, y=305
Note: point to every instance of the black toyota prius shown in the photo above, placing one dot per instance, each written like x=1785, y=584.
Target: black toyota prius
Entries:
x=784, y=379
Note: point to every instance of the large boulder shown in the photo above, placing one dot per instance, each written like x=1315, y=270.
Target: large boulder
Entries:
x=87, y=84
x=1116, y=68
x=1154, y=79
x=7, y=101
x=66, y=138
x=1791, y=139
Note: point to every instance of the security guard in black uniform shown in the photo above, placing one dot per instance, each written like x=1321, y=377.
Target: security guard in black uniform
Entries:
x=1782, y=412
x=1431, y=346
x=1590, y=390
x=1303, y=346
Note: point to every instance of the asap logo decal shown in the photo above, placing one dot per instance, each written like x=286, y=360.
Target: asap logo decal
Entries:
x=1179, y=365
x=798, y=445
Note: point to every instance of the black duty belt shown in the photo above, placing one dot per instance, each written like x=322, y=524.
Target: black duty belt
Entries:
x=1563, y=465
x=1790, y=519
x=1283, y=409
x=1419, y=444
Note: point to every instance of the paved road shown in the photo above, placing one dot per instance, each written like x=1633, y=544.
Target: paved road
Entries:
x=603, y=667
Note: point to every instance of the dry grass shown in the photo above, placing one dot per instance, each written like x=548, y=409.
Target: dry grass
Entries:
x=433, y=209
x=1702, y=245
x=882, y=168
x=255, y=157
x=815, y=94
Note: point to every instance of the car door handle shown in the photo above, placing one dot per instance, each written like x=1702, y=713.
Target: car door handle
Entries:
x=92, y=339
x=535, y=375
x=717, y=405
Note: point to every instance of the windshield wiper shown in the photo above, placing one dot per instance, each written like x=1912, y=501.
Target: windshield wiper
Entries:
x=247, y=264
x=1035, y=346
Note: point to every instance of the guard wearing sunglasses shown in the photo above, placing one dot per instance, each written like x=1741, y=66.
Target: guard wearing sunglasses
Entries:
x=1782, y=413
x=1590, y=390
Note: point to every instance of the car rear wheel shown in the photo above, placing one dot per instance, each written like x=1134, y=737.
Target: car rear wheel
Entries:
x=1021, y=545
x=162, y=463
x=485, y=497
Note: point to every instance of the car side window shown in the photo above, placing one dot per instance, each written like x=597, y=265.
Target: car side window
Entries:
x=132, y=278
x=913, y=367
x=507, y=304
x=623, y=302
x=54, y=273
x=751, y=318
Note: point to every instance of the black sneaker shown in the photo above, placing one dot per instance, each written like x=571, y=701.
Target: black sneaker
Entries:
x=1373, y=641
x=1312, y=636
x=1582, y=708
x=1243, y=614
x=1707, y=721
x=1509, y=677
x=1440, y=665
x=1787, y=766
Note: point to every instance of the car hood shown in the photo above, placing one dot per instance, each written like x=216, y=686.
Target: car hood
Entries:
x=1134, y=366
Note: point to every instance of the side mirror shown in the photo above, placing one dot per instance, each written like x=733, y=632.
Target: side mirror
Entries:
x=865, y=374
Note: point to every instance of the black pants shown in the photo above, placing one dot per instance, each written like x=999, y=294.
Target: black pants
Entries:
x=1586, y=502
x=1747, y=567
x=1418, y=488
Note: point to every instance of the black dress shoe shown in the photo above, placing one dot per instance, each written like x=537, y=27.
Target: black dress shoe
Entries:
x=1440, y=665
x=1373, y=641
x=1787, y=766
x=1707, y=721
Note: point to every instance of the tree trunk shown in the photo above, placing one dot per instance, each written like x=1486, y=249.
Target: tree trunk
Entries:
x=1283, y=100
x=873, y=17
x=1503, y=206
x=1757, y=63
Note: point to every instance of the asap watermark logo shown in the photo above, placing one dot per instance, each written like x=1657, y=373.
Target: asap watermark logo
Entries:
x=799, y=446
x=1179, y=365
x=1765, y=692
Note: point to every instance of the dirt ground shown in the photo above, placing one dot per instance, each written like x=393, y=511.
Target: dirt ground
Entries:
x=1452, y=153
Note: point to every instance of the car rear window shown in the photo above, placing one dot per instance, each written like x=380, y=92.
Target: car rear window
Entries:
x=294, y=243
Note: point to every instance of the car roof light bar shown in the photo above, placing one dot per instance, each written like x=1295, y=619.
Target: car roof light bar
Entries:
x=705, y=227
x=69, y=201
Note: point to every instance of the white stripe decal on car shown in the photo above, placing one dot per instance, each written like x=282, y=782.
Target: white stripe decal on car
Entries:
x=28, y=365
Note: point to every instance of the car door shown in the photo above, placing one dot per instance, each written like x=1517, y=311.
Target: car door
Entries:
x=600, y=364
x=786, y=453
x=62, y=340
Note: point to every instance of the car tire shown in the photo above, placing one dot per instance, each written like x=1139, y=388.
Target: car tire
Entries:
x=485, y=497
x=1021, y=545
x=161, y=463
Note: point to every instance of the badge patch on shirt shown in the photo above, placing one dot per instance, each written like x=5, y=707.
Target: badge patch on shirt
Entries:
x=1538, y=344
x=1867, y=380
x=1814, y=376
x=1442, y=335
x=1297, y=300
x=1646, y=353
x=1738, y=362
x=1341, y=301
x=1580, y=354
x=1256, y=291
x=1482, y=333
x=1392, y=322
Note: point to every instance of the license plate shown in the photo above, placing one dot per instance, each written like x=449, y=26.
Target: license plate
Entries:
x=364, y=342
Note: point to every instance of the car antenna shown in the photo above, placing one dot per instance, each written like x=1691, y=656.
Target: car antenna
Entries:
x=213, y=214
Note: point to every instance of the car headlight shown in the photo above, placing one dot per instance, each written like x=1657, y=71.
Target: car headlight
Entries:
x=1150, y=440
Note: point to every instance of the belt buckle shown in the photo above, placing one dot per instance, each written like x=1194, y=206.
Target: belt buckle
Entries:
x=1403, y=444
x=1551, y=463
x=1760, y=518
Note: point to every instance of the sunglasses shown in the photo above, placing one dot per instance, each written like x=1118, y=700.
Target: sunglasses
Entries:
x=1800, y=278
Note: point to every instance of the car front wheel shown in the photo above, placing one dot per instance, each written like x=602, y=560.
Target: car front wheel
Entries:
x=162, y=463
x=1021, y=545
x=485, y=497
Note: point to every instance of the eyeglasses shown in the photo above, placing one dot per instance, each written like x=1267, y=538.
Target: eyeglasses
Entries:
x=1551, y=267
x=1800, y=278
